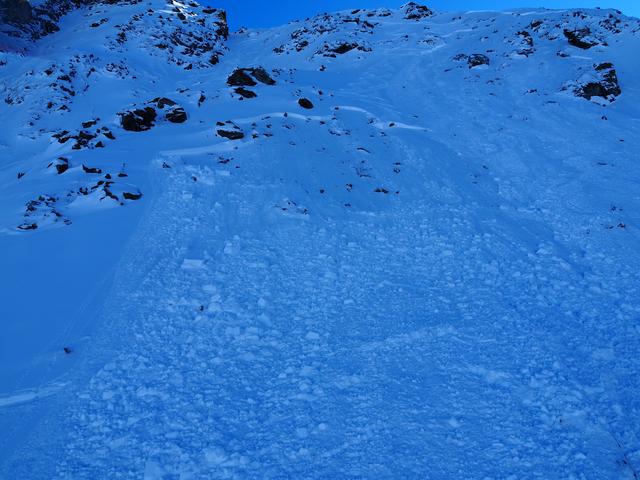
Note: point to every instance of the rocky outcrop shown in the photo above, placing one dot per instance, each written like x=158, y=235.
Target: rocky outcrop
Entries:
x=189, y=35
x=142, y=119
x=581, y=38
x=85, y=138
x=249, y=77
x=173, y=112
x=604, y=86
x=414, y=11
x=477, y=59
x=138, y=120
x=61, y=164
x=245, y=93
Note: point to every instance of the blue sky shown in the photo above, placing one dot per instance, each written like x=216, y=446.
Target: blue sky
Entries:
x=260, y=13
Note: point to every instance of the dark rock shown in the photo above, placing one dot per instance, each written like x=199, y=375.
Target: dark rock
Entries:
x=593, y=89
x=414, y=11
x=576, y=38
x=131, y=196
x=305, y=103
x=262, y=76
x=90, y=169
x=608, y=86
x=176, y=115
x=245, y=93
x=61, y=165
x=604, y=66
x=138, y=120
x=477, y=59
x=28, y=226
x=162, y=102
x=526, y=42
x=239, y=78
x=67, y=350
x=62, y=136
x=231, y=134
x=107, y=133
x=247, y=77
x=344, y=48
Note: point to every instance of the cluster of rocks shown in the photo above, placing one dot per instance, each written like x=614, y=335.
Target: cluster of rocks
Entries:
x=110, y=189
x=42, y=209
x=351, y=27
x=525, y=44
x=340, y=48
x=85, y=138
x=37, y=21
x=187, y=34
x=48, y=209
x=415, y=11
x=473, y=60
x=248, y=77
x=143, y=118
x=581, y=38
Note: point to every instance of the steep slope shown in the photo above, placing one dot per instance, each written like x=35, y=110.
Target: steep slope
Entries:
x=373, y=244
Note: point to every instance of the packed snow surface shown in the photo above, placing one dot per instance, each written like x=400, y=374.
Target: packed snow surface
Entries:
x=371, y=244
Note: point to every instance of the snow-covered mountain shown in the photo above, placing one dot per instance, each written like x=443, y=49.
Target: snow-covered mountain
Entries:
x=370, y=244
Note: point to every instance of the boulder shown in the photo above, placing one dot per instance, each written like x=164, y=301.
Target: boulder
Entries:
x=477, y=59
x=231, y=134
x=176, y=115
x=162, y=102
x=578, y=38
x=245, y=93
x=90, y=169
x=343, y=48
x=131, y=196
x=248, y=77
x=138, y=120
x=61, y=165
x=262, y=76
x=239, y=78
x=305, y=103
x=606, y=86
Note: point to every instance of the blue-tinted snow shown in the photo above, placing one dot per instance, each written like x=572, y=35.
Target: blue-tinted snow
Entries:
x=432, y=274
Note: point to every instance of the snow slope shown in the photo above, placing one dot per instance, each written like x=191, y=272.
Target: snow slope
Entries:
x=431, y=273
